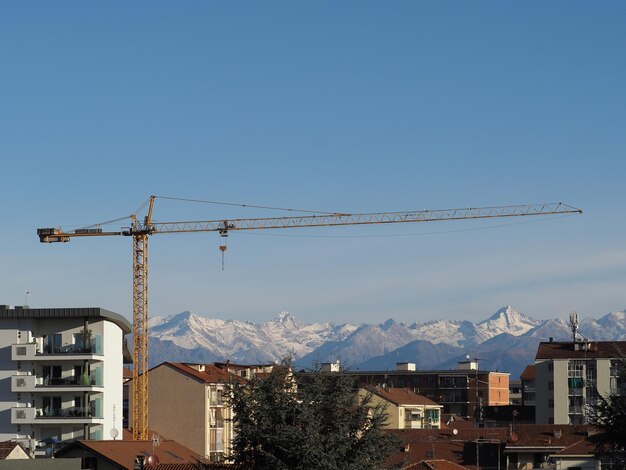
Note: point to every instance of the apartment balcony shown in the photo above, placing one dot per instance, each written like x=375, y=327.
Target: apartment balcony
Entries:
x=36, y=352
x=72, y=415
x=32, y=383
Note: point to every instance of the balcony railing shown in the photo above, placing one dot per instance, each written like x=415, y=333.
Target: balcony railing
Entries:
x=31, y=415
x=35, y=351
x=32, y=383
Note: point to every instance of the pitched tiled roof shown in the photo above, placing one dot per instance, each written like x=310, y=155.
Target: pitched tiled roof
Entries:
x=589, y=445
x=401, y=396
x=123, y=453
x=210, y=374
x=550, y=436
x=7, y=447
x=439, y=464
x=529, y=373
x=435, y=444
x=593, y=349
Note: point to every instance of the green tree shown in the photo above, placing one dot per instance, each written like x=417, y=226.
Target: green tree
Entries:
x=609, y=415
x=318, y=423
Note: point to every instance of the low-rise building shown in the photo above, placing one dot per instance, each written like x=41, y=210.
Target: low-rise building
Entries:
x=405, y=409
x=61, y=374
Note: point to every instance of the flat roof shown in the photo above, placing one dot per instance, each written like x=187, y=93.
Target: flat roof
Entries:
x=71, y=312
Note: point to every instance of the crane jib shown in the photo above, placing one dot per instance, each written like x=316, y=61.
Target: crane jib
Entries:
x=139, y=232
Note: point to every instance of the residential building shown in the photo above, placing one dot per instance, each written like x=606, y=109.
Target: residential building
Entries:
x=531, y=446
x=186, y=403
x=463, y=391
x=405, y=409
x=528, y=386
x=515, y=392
x=61, y=374
x=570, y=375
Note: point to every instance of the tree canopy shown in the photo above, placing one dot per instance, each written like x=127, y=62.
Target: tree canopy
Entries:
x=609, y=414
x=317, y=422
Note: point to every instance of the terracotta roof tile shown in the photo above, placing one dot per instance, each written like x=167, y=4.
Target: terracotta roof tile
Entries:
x=402, y=396
x=529, y=372
x=211, y=373
x=7, y=447
x=547, y=435
x=565, y=350
x=429, y=444
x=123, y=453
x=440, y=464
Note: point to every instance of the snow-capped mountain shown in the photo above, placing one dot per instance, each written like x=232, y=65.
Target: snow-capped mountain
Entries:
x=237, y=340
x=507, y=339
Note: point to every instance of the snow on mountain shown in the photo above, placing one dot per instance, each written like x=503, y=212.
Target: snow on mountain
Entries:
x=507, y=336
x=465, y=333
x=610, y=326
x=365, y=342
x=507, y=320
x=230, y=339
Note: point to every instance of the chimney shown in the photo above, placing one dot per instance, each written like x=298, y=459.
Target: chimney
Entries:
x=558, y=433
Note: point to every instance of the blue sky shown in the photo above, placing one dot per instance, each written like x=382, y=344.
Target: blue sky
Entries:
x=338, y=106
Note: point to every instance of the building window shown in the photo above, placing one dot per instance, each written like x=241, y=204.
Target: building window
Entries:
x=550, y=367
x=550, y=403
x=551, y=385
x=575, y=368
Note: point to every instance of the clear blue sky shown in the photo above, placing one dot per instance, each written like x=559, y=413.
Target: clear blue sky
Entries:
x=339, y=106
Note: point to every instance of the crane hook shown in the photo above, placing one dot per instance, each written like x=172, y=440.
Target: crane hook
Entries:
x=223, y=249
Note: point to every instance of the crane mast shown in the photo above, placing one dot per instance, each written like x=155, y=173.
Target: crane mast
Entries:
x=140, y=232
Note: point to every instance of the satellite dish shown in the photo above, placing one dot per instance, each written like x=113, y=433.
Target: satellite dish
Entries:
x=455, y=431
x=153, y=460
x=114, y=433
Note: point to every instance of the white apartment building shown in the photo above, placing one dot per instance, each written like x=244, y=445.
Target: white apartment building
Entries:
x=570, y=375
x=61, y=374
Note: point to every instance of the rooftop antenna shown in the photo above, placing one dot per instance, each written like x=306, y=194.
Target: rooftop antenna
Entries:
x=573, y=324
x=26, y=295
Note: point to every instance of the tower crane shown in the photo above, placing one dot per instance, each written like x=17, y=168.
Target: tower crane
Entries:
x=140, y=230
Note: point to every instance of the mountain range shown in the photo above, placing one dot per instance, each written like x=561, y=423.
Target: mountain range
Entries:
x=506, y=341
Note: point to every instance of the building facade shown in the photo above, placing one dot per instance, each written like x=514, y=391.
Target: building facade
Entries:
x=61, y=374
x=187, y=403
x=570, y=375
x=405, y=409
x=463, y=391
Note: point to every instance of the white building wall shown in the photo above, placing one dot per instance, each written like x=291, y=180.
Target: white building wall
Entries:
x=561, y=400
x=603, y=367
x=112, y=378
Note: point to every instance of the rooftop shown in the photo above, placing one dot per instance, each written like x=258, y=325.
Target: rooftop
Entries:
x=582, y=350
x=210, y=374
x=123, y=453
x=401, y=396
x=80, y=312
x=529, y=372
